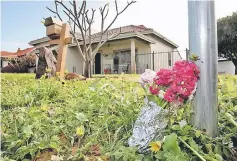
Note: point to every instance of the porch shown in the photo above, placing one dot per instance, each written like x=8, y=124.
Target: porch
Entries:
x=119, y=56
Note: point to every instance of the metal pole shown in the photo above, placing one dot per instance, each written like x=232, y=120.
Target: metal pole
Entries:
x=203, y=42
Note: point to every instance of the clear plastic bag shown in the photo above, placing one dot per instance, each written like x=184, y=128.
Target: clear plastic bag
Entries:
x=149, y=126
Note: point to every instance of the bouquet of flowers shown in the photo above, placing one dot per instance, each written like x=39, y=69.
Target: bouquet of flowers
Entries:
x=165, y=90
x=174, y=86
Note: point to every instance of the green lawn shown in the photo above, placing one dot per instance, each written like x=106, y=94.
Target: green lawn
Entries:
x=40, y=118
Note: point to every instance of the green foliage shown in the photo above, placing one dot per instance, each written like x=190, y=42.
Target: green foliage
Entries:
x=40, y=119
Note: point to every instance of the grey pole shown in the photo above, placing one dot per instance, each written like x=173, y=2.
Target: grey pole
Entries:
x=203, y=42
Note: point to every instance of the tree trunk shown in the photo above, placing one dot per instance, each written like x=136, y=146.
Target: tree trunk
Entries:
x=86, y=72
x=91, y=72
x=235, y=63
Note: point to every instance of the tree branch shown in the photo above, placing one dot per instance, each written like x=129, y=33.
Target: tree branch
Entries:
x=65, y=7
x=55, y=12
x=79, y=24
x=102, y=23
x=118, y=13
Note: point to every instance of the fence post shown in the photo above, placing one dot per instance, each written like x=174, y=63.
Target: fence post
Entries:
x=187, y=54
x=153, y=60
x=203, y=43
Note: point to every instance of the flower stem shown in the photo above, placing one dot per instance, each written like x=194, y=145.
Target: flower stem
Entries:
x=194, y=151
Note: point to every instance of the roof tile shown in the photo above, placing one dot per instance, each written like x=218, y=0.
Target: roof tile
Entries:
x=16, y=54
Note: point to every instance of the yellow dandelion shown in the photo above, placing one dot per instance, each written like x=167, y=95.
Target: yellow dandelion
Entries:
x=57, y=73
x=80, y=131
x=155, y=146
x=44, y=108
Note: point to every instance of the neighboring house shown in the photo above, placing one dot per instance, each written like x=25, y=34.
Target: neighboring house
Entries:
x=124, y=50
x=226, y=66
x=4, y=56
x=19, y=53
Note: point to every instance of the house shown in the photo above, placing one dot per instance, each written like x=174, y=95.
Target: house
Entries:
x=226, y=66
x=133, y=50
x=19, y=53
x=4, y=56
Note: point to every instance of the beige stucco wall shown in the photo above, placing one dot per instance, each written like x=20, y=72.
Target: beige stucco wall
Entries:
x=74, y=59
x=161, y=50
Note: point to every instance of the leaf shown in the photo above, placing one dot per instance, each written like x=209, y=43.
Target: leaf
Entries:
x=176, y=127
x=185, y=130
x=217, y=149
x=81, y=117
x=171, y=144
x=198, y=133
x=193, y=144
x=218, y=157
x=209, y=148
x=54, y=145
x=27, y=130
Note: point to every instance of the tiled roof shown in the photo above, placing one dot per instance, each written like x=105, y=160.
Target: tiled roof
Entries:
x=125, y=29
x=16, y=54
x=8, y=54
x=24, y=52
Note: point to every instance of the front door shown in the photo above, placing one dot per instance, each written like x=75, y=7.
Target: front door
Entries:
x=98, y=63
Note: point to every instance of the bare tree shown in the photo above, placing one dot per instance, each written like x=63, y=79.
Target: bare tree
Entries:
x=79, y=19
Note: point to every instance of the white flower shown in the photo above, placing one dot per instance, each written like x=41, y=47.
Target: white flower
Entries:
x=147, y=76
x=161, y=94
x=192, y=93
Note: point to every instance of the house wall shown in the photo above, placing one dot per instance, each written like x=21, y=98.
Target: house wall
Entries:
x=74, y=60
x=162, y=50
x=226, y=67
x=110, y=47
x=3, y=63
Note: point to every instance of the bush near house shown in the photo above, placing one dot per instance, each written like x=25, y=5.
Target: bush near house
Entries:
x=93, y=119
x=20, y=64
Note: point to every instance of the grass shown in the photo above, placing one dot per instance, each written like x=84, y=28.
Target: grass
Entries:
x=40, y=118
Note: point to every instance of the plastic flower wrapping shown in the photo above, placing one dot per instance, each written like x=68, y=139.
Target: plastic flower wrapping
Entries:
x=165, y=89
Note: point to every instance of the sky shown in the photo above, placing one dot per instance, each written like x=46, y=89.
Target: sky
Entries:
x=20, y=20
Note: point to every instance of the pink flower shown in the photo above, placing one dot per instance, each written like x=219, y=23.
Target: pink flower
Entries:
x=169, y=95
x=178, y=84
x=154, y=90
x=163, y=77
x=180, y=99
